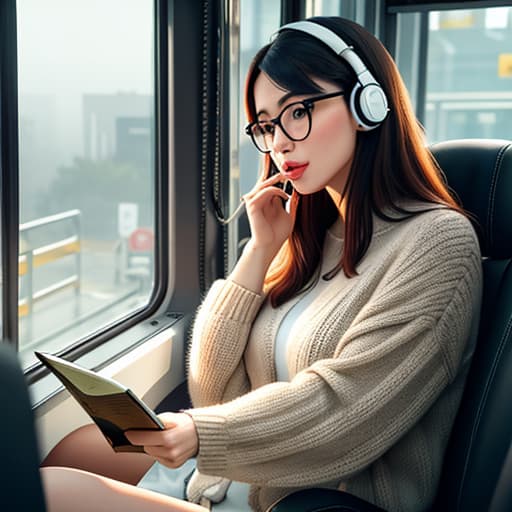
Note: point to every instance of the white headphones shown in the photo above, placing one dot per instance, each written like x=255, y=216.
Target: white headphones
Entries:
x=368, y=102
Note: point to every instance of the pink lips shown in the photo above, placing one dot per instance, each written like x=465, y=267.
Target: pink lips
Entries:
x=294, y=170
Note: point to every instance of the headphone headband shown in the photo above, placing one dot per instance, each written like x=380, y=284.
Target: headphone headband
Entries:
x=368, y=101
x=329, y=38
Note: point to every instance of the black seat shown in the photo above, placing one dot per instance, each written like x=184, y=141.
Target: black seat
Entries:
x=481, y=173
x=477, y=471
x=20, y=484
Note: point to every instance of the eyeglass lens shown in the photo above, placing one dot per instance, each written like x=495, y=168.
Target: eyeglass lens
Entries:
x=294, y=120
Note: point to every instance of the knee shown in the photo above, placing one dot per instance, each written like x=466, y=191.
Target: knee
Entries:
x=84, y=442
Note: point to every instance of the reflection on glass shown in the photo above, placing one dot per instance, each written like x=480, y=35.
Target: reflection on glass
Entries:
x=86, y=117
x=469, y=72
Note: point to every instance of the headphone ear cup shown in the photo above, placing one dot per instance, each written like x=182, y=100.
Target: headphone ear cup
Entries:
x=368, y=105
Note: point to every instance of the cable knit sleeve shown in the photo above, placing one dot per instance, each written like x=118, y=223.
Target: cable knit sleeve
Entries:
x=340, y=414
x=216, y=370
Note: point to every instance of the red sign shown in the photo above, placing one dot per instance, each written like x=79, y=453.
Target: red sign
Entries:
x=141, y=240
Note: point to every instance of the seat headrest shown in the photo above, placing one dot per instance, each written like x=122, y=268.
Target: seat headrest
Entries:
x=480, y=173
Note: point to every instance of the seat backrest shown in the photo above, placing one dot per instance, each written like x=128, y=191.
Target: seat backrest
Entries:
x=20, y=483
x=480, y=172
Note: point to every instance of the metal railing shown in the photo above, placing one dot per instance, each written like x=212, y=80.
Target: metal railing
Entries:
x=32, y=257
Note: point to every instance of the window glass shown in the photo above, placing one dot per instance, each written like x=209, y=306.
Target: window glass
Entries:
x=351, y=9
x=254, y=23
x=407, y=51
x=86, y=152
x=258, y=21
x=468, y=74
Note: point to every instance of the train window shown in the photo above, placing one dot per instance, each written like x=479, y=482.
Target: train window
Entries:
x=86, y=164
x=351, y=9
x=255, y=22
x=468, y=75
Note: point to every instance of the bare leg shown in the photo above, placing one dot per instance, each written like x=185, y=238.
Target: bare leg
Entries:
x=87, y=449
x=72, y=489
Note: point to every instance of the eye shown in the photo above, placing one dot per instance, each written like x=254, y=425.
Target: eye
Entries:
x=265, y=128
x=299, y=112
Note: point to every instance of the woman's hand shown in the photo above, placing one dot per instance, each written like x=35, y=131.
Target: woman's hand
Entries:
x=270, y=223
x=173, y=446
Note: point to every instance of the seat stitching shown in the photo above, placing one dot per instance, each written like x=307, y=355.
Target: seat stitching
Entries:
x=483, y=401
x=492, y=191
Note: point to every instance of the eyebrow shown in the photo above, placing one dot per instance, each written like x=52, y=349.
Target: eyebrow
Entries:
x=280, y=101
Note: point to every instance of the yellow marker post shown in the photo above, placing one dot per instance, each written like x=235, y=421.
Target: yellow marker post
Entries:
x=505, y=65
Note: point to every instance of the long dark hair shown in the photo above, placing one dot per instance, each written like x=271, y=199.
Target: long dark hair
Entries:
x=391, y=163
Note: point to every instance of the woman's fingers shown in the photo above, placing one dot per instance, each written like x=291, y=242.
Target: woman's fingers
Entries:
x=269, y=216
x=265, y=194
x=145, y=437
x=270, y=180
x=170, y=458
x=260, y=185
x=174, y=445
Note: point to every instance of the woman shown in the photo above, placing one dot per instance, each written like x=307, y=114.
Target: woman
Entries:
x=335, y=353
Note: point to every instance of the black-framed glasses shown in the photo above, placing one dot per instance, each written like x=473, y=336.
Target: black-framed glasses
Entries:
x=294, y=120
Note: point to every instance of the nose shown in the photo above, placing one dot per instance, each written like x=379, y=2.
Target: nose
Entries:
x=281, y=143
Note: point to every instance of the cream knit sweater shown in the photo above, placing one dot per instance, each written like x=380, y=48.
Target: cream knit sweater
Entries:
x=377, y=365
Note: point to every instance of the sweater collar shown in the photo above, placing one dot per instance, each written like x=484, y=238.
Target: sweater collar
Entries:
x=337, y=230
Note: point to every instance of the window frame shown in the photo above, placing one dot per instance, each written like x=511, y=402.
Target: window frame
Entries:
x=393, y=6
x=9, y=205
x=133, y=329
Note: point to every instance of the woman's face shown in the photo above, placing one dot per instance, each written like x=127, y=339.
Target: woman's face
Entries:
x=323, y=159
